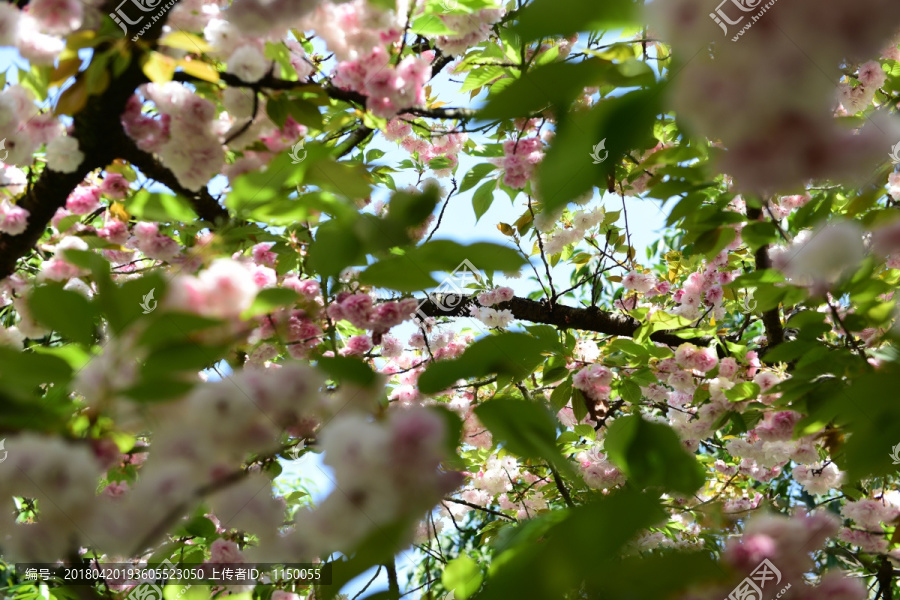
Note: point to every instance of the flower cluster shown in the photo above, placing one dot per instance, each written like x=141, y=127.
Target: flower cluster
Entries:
x=469, y=30
x=787, y=542
x=361, y=310
x=520, y=157
x=13, y=219
x=183, y=136
x=382, y=470
x=389, y=89
x=819, y=258
x=582, y=222
x=787, y=111
x=62, y=476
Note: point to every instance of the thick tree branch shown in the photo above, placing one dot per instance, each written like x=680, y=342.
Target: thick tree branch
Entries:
x=393, y=585
x=91, y=127
x=565, y=317
x=206, y=207
x=771, y=318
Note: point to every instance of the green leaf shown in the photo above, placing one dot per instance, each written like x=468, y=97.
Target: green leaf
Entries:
x=482, y=76
x=556, y=84
x=172, y=326
x=554, y=369
x=156, y=206
x=412, y=209
x=77, y=356
x=651, y=455
x=586, y=431
x=524, y=428
x=746, y=390
x=441, y=162
x=348, y=369
x=305, y=113
x=550, y=336
x=714, y=241
x=200, y=526
x=430, y=25
x=759, y=234
x=579, y=404
x=157, y=388
x=24, y=371
x=182, y=356
x=270, y=299
x=260, y=186
x=65, y=311
x=277, y=110
x=475, y=174
x=334, y=250
x=348, y=179
x=659, y=321
x=583, y=540
x=412, y=271
x=374, y=154
x=561, y=395
x=186, y=591
x=482, y=198
x=462, y=576
x=624, y=123
x=123, y=305
x=514, y=354
x=628, y=347
x=630, y=392
x=544, y=18
x=869, y=412
x=673, y=572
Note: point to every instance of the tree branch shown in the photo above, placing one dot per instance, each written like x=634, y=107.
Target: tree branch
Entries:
x=273, y=83
x=771, y=318
x=562, y=488
x=565, y=317
x=204, y=204
x=356, y=137
x=91, y=127
x=393, y=585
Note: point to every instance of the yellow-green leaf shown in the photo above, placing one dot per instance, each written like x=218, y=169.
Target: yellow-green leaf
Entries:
x=73, y=99
x=200, y=70
x=81, y=39
x=65, y=69
x=159, y=68
x=185, y=41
